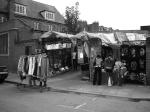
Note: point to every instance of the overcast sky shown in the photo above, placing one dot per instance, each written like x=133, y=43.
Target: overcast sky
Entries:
x=118, y=14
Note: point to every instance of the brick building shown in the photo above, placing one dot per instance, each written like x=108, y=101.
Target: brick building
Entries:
x=93, y=27
x=21, y=23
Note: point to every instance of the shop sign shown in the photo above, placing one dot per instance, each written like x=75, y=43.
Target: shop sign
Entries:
x=52, y=46
x=58, y=46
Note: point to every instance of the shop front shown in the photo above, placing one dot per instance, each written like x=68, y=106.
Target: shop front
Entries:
x=133, y=53
x=58, y=47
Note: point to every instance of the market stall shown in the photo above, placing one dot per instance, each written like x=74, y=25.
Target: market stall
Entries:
x=88, y=46
x=110, y=44
x=133, y=53
x=58, y=47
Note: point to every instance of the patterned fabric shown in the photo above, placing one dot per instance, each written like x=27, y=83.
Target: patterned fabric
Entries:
x=21, y=64
x=31, y=65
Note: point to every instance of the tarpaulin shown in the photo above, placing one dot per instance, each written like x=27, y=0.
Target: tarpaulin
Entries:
x=111, y=37
x=121, y=36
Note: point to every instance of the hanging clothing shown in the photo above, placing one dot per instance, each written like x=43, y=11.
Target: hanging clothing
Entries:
x=26, y=65
x=31, y=65
x=21, y=63
x=43, y=67
x=39, y=58
x=35, y=68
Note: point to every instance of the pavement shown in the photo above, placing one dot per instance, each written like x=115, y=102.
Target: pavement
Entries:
x=71, y=82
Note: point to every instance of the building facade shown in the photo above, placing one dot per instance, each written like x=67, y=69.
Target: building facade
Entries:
x=93, y=27
x=21, y=24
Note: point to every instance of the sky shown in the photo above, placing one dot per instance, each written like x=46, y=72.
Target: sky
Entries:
x=118, y=14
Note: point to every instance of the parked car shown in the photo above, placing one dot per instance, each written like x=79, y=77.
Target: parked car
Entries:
x=3, y=73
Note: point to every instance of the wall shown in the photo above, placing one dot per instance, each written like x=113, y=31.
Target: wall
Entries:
x=8, y=60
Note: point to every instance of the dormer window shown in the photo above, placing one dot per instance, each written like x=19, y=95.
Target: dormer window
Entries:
x=20, y=9
x=48, y=15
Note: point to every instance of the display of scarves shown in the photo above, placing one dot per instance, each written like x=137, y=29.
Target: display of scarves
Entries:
x=37, y=66
x=31, y=61
x=21, y=64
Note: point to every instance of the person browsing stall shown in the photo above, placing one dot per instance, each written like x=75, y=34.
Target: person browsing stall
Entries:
x=98, y=73
x=109, y=66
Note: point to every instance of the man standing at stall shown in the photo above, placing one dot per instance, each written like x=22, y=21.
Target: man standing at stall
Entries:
x=98, y=73
x=109, y=66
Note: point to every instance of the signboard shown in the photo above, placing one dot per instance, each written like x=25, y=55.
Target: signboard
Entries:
x=52, y=46
x=58, y=46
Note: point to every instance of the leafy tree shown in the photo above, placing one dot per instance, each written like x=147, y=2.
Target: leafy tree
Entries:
x=71, y=19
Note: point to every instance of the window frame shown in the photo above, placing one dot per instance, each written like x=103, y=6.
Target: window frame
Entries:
x=50, y=27
x=7, y=54
x=3, y=19
x=49, y=14
x=36, y=25
x=20, y=9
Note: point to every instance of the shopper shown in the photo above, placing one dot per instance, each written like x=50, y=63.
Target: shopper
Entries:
x=98, y=73
x=109, y=65
x=117, y=70
x=123, y=73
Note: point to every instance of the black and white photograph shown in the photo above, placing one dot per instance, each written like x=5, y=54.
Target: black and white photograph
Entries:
x=74, y=56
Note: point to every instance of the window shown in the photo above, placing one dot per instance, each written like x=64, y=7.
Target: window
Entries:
x=20, y=9
x=50, y=27
x=36, y=26
x=49, y=15
x=4, y=44
x=3, y=19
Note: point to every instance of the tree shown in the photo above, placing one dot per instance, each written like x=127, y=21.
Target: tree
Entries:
x=71, y=19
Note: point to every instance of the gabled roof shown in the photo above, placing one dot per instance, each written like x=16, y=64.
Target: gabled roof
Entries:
x=35, y=8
